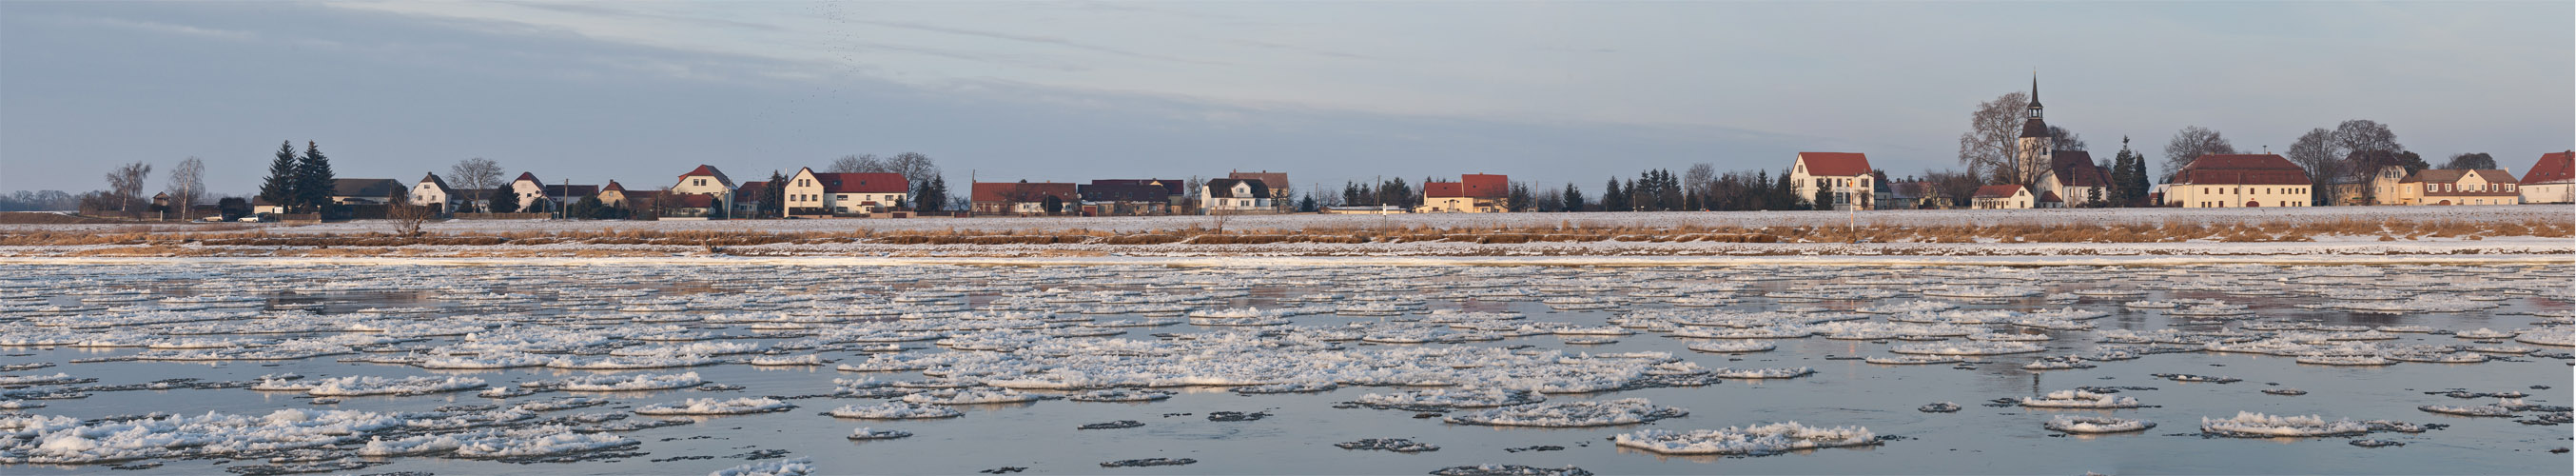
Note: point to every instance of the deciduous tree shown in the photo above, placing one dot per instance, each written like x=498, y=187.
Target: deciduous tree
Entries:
x=2192, y=142
x=477, y=177
x=188, y=183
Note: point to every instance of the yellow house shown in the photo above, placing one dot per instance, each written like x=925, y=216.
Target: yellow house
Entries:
x=2239, y=180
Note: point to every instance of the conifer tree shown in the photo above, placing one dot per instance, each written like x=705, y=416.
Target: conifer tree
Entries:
x=313, y=179
x=1573, y=198
x=279, y=188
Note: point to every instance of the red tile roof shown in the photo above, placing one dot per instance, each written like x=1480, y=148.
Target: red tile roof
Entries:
x=691, y=200
x=1486, y=185
x=1837, y=164
x=1443, y=190
x=2075, y=168
x=2242, y=169
x=1998, y=191
x=708, y=170
x=2050, y=197
x=613, y=187
x=527, y=177
x=2553, y=169
x=863, y=183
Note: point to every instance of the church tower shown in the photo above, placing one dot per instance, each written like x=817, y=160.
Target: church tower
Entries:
x=2036, y=143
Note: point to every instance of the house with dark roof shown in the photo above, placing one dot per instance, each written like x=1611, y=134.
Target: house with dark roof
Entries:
x=2074, y=178
x=2552, y=180
x=1844, y=175
x=1472, y=193
x=810, y=193
x=1232, y=195
x=1277, y=182
x=1125, y=198
x=1024, y=198
x=433, y=191
x=358, y=191
x=2239, y=180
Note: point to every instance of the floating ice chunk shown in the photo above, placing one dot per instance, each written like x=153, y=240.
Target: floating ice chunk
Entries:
x=866, y=433
x=1968, y=348
x=483, y=362
x=2257, y=425
x=1754, y=440
x=1939, y=407
x=1509, y=470
x=2559, y=336
x=1120, y=395
x=789, y=360
x=1398, y=445
x=2483, y=333
x=2095, y=424
x=896, y=411
x=971, y=396
x=1911, y=359
x=2198, y=378
x=1451, y=398
x=2491, y=410
x=1571, y=414
x=2067, y=362
x=633, y=362
x=17, y=380
x=787, y=467
x=2345, y=360
x=358, y=385
x=1786, y=372
x=630, y=383
x=1732, y=347
x=2078, y=399
x=712, y=406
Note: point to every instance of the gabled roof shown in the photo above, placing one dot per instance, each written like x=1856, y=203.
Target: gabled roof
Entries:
x=1123, y=192
x=1486, y=185
x=1835, y=164
x=751, y=188
x=432, y=178
x=613, y=187
x=691, y=200
x=1224, y=188
x=527, y=177
x=2075, y=168
x=2050, y=197
x=571, y=190
x=709, y=171
x=863, y=183
x=2242, y=169
x=1998, y=191
x=1170, y=186
x=365, y=187
x=1443, y=190
x=1273, y=180
x=1025, y=192
x=2555, y=168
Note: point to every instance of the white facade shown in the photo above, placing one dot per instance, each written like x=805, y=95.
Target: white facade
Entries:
x=2235, y=196
x=2019, y=199
x=2561, y=192
x=1230, y=202
x=807, y=189
x=528, y=191
x=1847, y=188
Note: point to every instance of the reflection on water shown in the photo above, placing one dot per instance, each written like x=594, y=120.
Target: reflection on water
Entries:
x=1297, y=436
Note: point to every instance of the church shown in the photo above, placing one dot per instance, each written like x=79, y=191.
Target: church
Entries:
x=2067, y=178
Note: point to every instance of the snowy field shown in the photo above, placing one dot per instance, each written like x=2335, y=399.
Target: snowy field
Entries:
x=1458, y=220
x=267, y=366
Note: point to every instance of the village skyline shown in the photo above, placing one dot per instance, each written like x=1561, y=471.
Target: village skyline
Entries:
x=1009, y=125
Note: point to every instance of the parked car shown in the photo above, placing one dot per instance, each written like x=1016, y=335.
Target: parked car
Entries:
x=254, y=218
x=211, y=219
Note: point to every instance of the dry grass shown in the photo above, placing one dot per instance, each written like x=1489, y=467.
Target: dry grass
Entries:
x=167, y=237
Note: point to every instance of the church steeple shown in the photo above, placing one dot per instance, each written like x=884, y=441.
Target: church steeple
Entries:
x=2034, y=95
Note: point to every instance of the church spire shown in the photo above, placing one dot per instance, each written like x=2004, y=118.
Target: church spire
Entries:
x=2034, y=89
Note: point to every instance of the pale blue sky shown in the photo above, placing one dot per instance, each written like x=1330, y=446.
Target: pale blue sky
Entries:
x=1326, y=91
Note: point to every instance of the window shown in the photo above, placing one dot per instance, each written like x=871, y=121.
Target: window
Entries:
x=700, y=182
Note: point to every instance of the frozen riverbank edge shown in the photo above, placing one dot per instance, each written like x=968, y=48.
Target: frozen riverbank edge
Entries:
x=2563, y=255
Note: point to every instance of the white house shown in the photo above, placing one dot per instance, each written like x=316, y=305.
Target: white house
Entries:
x=815, y=193
x=2239, y=180
x=1845, y=174
x=2007, y=196
x=2553, y=180
x=434, y=191
x=529, y=191
x=1234, y=195
x=2073, y=178
x=704, y=181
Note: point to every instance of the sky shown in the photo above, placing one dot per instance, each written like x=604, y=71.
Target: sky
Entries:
x=1546, y=92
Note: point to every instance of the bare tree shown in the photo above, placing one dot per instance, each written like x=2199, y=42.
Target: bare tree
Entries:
x=859, y=163
x=2190, y=143
x=2318, y=152
x=406, y=217
x=916, y=168
x=2366, y=136
x=2062, y=139
x=1700, y=179
x=187, y=183
x=480, y=175
x=1992, y=145
x=125, y=186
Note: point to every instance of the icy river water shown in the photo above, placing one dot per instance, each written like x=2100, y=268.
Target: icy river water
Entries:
x=530, y=369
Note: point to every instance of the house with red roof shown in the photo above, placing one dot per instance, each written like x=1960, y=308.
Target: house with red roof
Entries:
x=1845, y=175
x=2074, y=179
x=2239, y=180
x=2003, y=197
x=1472, y=193
x=704, y=181
x=811, y=193
x=2552, y=180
